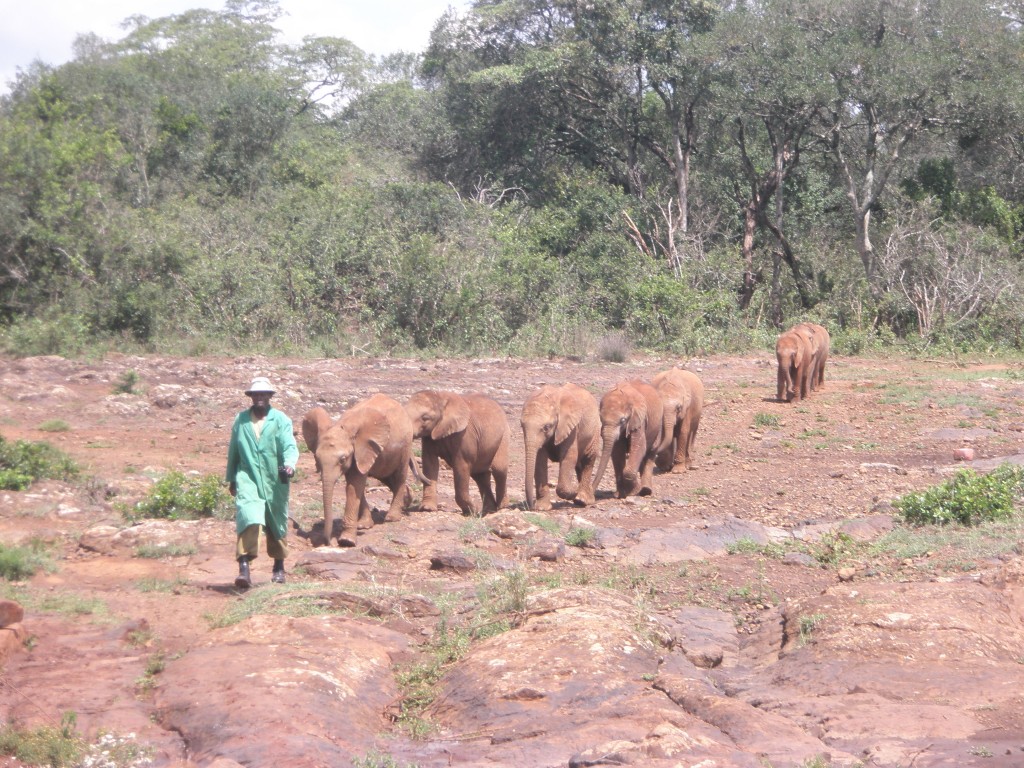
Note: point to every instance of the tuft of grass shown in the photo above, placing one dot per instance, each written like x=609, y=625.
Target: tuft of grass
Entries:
x=150, y=584
x=544, y=523
x=54, y=425
x=807, y=626
x=284, y=600
x=23, y=462
x=580, y=536
x=20, y=563
x=157, y=551
x=967, y=499
x=614, y=348
x=763, y=420
x=418, y=682
x=176, y=496
x=375, y=759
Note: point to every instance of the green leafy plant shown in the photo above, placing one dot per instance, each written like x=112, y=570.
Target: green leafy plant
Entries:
x=179, y=497
x=126, y=383
x=807, y=626
x=23, y=462
x=967, y=499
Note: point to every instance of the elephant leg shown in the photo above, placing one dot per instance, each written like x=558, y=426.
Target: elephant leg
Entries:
x=355, y=503
x=461, y=475
x=398, y=483
x=646, y=476
x=585, y=481
x=500, y=476
x=431, y=470
x=568, y=486
x=487, y=496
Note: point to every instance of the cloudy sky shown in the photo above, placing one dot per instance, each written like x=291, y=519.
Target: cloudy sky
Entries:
x=45, y=29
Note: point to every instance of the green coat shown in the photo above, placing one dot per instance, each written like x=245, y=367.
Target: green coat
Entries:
x=260, y=496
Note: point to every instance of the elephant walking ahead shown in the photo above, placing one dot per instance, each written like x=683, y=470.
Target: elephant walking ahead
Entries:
x=820, y=343
x=373, y=438
x=683, y=395
x=471, y=434
x=793, y=353
x=561, y=424
x=632, y=425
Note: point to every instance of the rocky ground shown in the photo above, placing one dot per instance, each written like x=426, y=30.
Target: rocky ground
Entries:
x=765, y=609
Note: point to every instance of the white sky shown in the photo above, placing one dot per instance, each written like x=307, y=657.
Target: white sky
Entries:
x=45, y=29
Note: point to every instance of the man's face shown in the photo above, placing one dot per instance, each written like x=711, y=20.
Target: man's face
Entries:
x=260, y=402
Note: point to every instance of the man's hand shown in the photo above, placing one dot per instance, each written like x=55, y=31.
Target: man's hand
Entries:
x=285, y=473
x=232, y=489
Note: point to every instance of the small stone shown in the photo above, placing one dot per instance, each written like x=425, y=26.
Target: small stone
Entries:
x=963, y=454
x=847, y=574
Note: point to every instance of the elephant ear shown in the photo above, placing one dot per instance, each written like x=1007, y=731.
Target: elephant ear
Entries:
x=570, y=414
x=454, y=418
x=314, y=424
x=369, y=441
x=639, y=407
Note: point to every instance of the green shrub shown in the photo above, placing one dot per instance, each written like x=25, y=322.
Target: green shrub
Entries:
x=23, y=462
x=46, y=745
x=19, y=563
x=178, y=497
x=968, y=498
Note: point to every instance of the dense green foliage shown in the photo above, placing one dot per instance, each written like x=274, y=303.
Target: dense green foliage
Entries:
x=689, y=174
x=967, y=499
x=176, y=496
x=23, y=462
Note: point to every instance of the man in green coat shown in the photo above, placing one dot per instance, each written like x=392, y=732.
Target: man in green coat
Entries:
x=261, y=460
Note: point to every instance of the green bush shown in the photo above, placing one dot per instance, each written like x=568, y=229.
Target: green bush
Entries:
x=22, y=463
x=967, y=499
x=178, y=497
x=19, y=563
x=46, y=745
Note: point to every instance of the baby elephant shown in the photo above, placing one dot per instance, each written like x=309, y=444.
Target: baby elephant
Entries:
x=470, y=432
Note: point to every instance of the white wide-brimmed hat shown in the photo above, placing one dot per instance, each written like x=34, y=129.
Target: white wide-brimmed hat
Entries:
x=260, y=384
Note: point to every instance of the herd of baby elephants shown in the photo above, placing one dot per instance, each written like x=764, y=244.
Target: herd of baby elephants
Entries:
x=639, y=425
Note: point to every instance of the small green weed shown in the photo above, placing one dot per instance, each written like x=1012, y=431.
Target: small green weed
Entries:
x=807, y=626
x=967, y=499
x=54, y=425
x=764, y=420
x=23, y=462
x=833, y=548
x=150, y=584
x=139, y=638
x=544, y=523
x=179, y=497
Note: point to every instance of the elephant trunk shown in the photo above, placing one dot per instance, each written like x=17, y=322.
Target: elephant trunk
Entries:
x=609, y=434
x=329, y=475
x=532, y=446
x=634, y=456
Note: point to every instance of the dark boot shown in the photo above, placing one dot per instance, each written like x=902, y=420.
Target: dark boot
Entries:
x=243, y=580
x=278, y=576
